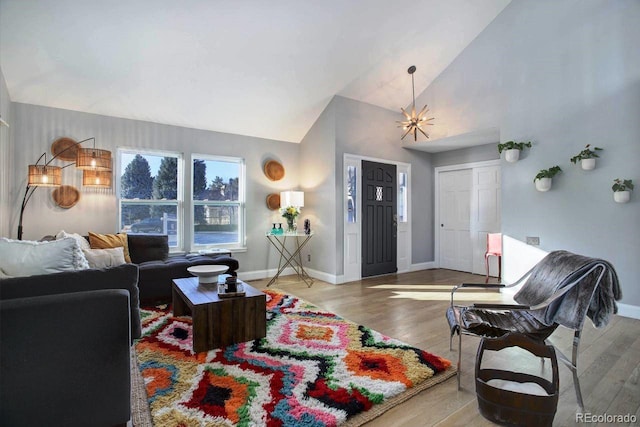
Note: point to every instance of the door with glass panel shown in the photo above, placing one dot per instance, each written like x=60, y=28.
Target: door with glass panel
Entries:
x=379, y=219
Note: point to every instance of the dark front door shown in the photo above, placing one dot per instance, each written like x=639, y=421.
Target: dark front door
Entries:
x=379, y=237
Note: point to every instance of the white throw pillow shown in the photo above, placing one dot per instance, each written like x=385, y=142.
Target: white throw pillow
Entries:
x=28, y=258
x=102, y=258
x=84, y=243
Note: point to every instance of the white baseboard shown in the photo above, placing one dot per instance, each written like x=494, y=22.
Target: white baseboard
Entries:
x=265, y=274
x=321, y=275
x=627, y=310
x=423, y=266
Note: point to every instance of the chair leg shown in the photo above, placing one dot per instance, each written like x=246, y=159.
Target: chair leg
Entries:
x=459, y=373
x=574, y=369
x=499, y=268
x=486, y=265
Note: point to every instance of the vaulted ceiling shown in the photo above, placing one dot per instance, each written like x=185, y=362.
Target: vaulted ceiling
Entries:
x=249, y=67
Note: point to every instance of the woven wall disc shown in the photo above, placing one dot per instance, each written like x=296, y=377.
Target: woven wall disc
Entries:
x=273, y=201
x=66, y=196
x=274, y=170
x=60, y=145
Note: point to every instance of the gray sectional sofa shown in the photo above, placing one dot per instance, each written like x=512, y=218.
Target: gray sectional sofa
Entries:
x=157, y=269
x=66, y=341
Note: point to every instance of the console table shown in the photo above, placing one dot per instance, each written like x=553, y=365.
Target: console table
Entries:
x=290, y=258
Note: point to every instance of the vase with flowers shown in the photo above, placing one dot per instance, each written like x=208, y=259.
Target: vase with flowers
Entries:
x=290, y=213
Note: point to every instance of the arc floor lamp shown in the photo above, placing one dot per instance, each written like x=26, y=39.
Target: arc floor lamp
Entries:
x=94, y=162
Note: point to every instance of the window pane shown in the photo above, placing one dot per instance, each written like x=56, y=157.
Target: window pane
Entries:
x=144, y=218
x=217, y=224
x=217, y=202
x=351, y=194
x=402, y=197
x=216, y=180
x=148, y=176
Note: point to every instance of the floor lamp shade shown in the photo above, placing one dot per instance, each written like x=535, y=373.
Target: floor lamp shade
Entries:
x=96, y=178
x=45, y=176
x=292, y=198
x=93, y=158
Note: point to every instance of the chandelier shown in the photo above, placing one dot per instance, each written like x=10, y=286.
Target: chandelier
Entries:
x=414, y=122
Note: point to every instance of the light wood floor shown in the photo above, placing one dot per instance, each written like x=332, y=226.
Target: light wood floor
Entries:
x=411, y=307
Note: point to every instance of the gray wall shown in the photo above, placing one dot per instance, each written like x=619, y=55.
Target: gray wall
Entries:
x=317, y=179
x=562, y=74
x=5, y=155
x=352, y=127
x=478, y=153
x=34, y=128
x=367, y=130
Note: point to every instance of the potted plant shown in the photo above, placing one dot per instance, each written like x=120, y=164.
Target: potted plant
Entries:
x=544, y=178
x=622, y=190
x=587, y=157
x=512, y=150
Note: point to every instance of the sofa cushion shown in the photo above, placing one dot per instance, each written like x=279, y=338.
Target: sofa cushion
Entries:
x=28, y=258
x=121, y=277
x=106, y=241
x=156, y=276
x=84, y=243
x=102, y=258
x=144, y=248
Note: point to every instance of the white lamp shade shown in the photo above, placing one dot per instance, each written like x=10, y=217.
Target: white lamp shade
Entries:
x=292, y=198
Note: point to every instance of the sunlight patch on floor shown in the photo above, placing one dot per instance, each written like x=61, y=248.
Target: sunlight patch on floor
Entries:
x=446, y=296
x=426, y=287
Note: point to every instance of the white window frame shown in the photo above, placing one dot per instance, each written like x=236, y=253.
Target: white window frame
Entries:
x=241, y=203
x=179, y=203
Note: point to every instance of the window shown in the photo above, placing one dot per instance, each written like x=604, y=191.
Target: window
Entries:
x=150, y=193
x=402, y=197
x=351, y=194
x=218, y=201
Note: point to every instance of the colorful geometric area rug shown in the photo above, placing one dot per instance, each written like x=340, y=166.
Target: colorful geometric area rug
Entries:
x=313, y=368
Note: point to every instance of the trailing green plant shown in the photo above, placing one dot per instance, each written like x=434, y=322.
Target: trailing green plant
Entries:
x=622, y=185
x=548, y=173
x=587, y=153
x=512, y=145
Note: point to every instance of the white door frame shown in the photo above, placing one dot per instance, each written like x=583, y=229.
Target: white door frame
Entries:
x=352, y=235
x=436, y=224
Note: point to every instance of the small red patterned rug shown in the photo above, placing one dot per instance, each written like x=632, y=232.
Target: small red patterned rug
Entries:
x=312, y=369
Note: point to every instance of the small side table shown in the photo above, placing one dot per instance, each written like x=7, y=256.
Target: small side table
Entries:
x=288, y=258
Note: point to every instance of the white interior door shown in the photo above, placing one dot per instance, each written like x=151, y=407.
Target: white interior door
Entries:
x=485, y=215
x=468, y=207
x=456, y=249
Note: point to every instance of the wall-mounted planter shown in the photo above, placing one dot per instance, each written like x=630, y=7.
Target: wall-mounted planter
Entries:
x=621, y=196
x=543, y=184
x=587, y=157
x=512, y=150
x=512, y=156
x=588, y=164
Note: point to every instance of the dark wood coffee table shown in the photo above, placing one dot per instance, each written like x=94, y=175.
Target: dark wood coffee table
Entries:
x=218, y=322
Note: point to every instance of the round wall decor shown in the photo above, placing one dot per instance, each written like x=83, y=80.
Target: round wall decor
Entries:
x=66, y=196
x=60, y=145
x=274, y=170
x=273, y=201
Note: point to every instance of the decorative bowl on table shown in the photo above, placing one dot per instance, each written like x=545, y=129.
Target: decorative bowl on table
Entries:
x=207, y=273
